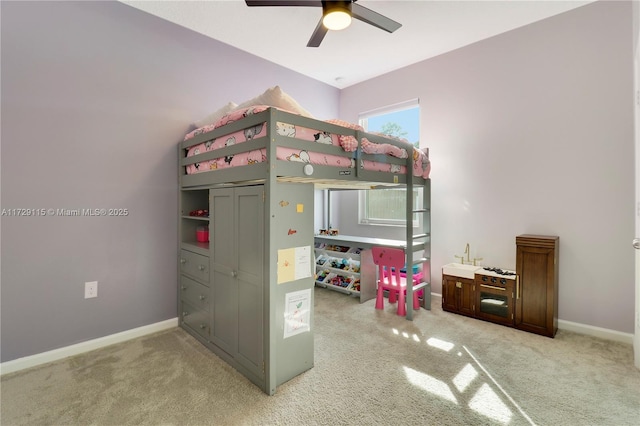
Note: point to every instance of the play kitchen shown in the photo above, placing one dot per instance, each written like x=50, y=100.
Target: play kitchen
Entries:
x=495, y=294
x=526, y=298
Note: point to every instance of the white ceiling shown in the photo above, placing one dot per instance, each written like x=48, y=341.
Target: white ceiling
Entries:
x=280, y=34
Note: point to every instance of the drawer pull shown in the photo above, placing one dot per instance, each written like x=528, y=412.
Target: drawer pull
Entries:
x=492, y=287
x=458, y=284
x=185, y=313
x=203, y=326
x=201, y=297
x=201, y=267
x=183, y=260
x=183, y=287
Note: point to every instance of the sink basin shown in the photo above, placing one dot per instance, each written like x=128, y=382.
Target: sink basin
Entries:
x=460, y=270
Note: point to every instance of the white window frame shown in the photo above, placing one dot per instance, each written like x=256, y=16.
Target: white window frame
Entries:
x=363, y=199
x=363, y=196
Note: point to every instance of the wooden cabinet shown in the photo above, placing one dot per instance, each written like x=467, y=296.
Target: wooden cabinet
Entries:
x=458, y=295
x=527, y=300
x=537, y=288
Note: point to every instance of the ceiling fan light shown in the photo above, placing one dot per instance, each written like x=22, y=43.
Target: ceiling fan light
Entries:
x=336, y=19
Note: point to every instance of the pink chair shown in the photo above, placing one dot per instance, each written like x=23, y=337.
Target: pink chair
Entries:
x=390, y=261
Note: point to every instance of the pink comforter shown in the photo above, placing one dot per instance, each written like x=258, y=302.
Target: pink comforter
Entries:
x=421, y=164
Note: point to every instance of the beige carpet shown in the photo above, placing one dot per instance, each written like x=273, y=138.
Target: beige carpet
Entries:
x=371, y=368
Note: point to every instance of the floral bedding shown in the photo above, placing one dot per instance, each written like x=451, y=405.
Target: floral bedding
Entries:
x=347, y=143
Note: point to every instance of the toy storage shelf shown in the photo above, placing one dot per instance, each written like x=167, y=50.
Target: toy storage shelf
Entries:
x=338, y=270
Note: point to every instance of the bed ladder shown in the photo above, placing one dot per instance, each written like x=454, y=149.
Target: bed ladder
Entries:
x=420, y=242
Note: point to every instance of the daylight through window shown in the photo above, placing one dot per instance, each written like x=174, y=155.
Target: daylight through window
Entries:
x=387, y=206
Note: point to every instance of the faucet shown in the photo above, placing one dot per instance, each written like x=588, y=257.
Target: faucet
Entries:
x=468, y=260
x=466, y=251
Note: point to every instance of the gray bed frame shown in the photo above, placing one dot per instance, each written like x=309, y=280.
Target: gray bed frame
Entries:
x=288, y=183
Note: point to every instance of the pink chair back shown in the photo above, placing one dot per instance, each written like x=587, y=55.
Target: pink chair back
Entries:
x=389, y=261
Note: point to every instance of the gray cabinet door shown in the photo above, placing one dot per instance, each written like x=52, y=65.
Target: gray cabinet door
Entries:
x=224, y=294
x=237, y=268
x=250, y=278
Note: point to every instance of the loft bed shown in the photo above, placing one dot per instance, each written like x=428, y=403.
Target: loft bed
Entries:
x=241, y=145
x=290, y=155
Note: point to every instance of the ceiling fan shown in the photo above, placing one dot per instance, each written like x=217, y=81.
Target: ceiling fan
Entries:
x=336, y=15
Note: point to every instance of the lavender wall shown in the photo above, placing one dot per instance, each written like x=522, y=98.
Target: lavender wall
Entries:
x=95, y=98
x=531, y=132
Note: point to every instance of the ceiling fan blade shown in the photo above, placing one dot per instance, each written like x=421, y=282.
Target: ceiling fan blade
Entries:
x=374, y=18
x=318, y=35
x=283, y=3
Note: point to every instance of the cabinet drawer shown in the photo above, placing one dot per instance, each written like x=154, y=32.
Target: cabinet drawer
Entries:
x=195, y=265
x=194, y=293
x=196, y=319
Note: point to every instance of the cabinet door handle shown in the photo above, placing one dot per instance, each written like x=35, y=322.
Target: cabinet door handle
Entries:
x=234, y=274
x=458, y=284
x=492, y=287
x=517, y=287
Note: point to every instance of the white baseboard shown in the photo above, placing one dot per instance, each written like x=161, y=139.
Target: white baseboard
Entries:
x=90, y=345
x=57, y=354
x=589, y=330
x=603, y=333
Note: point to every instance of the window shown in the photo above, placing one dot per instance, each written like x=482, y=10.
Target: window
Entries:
x=388, y=206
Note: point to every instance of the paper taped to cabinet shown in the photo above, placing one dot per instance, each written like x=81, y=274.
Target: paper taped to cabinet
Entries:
x=294, y=264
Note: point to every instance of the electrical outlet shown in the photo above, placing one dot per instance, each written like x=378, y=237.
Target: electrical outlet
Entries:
x=90, y=289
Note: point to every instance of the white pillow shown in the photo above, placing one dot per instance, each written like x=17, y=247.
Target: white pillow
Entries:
x=275, y=97
x=215, y=116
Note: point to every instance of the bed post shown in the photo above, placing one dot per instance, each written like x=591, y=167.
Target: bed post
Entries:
x=270, y=247
x=409, y=235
